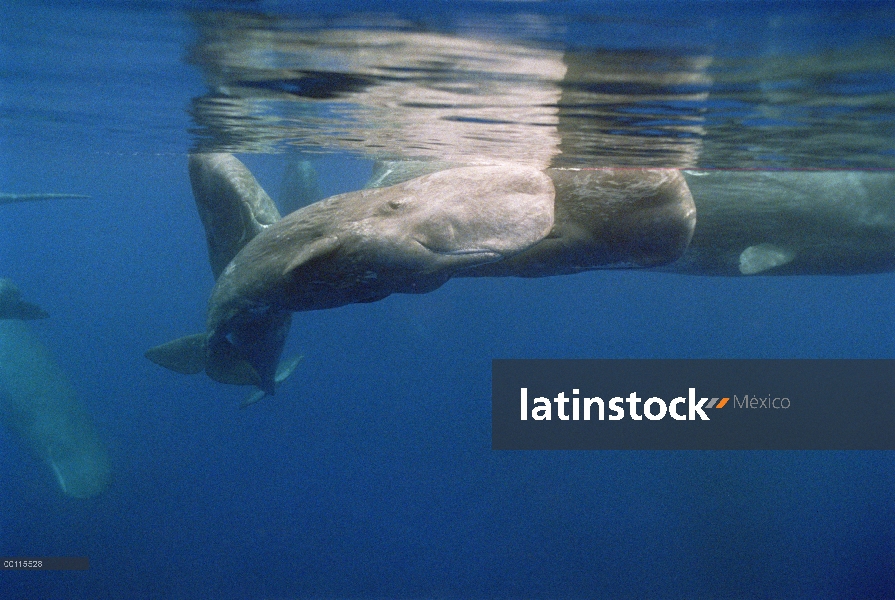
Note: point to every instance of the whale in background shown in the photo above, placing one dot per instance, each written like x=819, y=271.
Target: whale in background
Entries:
x=6, y=198
x=299, y=187
x=13, y=307
x=38, y=403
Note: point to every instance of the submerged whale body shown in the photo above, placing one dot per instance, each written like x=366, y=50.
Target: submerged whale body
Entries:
x=6, y=198
x=410, y=237
x=407, y=238
x=366, y=245
x=39, y=405
x=750, y=222
x=355, y=247
x=233, y=207
x=791, y=223
x=607, y=218
x=603, y=218
x=36, y=401
x=418, y=224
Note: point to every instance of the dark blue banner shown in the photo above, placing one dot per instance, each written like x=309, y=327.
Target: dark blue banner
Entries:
x=693, y=405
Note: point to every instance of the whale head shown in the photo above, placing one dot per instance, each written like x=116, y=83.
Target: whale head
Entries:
x=363, y=246
x=457, y=218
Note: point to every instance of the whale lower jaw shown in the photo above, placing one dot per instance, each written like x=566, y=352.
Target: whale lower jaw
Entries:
x=485, y=254
x=488, y=255
x=469, y=252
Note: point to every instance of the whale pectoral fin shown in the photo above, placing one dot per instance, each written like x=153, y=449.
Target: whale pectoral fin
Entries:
x=764, y=257
x=225, y=364
x=287, y=367
x=13, y=307
x=24, y=311
x=185, y=355
x=253, y=398
x=317, y=249
x=27, y=311
x=284, y=371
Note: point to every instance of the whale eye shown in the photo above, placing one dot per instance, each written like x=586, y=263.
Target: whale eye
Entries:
x=395, y=204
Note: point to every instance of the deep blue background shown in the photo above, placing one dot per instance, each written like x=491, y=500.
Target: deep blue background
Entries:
x=370, y=473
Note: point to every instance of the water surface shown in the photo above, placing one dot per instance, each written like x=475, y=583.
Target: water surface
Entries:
x=370, y=473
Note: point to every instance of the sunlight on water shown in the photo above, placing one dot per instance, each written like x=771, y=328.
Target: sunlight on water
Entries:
x=646, y=87
x=399, y=92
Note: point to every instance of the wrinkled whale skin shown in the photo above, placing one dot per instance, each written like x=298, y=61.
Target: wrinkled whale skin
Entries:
x=365, y=245
x=608, y=218
x=352, y=248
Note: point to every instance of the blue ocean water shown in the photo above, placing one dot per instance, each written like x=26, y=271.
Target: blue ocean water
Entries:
x=370, y=473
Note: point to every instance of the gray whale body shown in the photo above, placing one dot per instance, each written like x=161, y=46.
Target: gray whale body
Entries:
x=754, y=222
x=411, y=237
x=38, y=403
x=419, y=224
x=607, y=218
x=791, y=223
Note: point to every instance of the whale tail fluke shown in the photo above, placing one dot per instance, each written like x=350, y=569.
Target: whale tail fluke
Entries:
x=191, y=354
x=186, y=355
x=81, y=471
x=233, y=206
x=226, y=364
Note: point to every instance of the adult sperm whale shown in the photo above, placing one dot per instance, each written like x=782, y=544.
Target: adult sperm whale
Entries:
x=355, y=247
x=608, y=217
x=791, y=223
x=750, y=222
x=37, y=401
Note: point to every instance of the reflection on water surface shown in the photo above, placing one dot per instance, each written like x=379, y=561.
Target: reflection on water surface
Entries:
x=396, y=91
